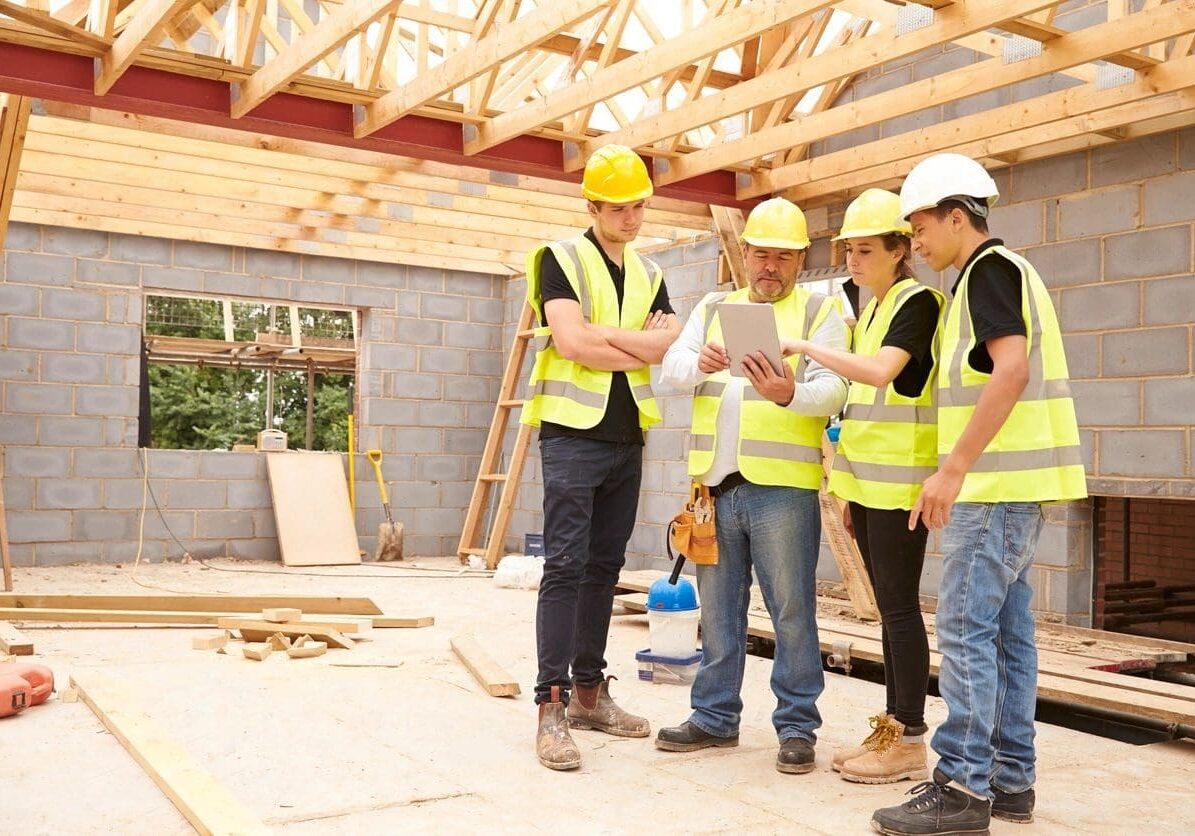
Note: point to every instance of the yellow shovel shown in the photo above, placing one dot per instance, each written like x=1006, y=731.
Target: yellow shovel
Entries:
x=389, y=532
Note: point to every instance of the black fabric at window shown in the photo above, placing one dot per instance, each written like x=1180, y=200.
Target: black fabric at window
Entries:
x=620, y=424
x=912, y=329
x=994, y=302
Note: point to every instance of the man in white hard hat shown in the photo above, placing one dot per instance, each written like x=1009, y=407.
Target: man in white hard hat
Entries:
x=1008, y=441
x=756, y=443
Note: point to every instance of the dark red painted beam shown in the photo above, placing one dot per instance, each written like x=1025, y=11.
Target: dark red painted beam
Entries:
x=59, y=76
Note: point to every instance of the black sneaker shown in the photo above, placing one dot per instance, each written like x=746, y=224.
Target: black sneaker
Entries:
x=1013, y=806
x=688, y=738
x=795, y=756
x=936, y=810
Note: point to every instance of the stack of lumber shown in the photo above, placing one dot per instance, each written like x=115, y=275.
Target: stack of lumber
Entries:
x=1079, y=666
x=1144, y=602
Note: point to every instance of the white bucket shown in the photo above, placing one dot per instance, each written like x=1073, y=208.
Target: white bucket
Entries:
x=673, y=633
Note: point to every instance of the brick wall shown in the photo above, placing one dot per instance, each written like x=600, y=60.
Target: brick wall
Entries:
x=71, y=307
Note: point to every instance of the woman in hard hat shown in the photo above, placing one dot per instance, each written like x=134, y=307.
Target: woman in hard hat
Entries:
x=887, y=447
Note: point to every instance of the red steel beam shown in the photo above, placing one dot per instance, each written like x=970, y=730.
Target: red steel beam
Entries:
x=62, y=77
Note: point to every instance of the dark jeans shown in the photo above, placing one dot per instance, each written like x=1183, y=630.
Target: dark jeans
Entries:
x=591, y=493
x=894, y=556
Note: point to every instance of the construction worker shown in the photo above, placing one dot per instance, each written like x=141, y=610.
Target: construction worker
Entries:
x=1007, y=442
x=756, y=442
x=887, y=446
x=604, y=319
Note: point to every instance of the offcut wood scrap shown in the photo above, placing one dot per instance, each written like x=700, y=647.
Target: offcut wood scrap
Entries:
x=258, y=651
x=210, y=641
x=492, y=676
x=14, y=641
x=278, y=642
x=403, y=621
x=305, y=647
x=280, y=614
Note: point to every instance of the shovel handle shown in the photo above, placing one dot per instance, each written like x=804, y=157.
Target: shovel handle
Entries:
x=375, y=458
x=676, y=567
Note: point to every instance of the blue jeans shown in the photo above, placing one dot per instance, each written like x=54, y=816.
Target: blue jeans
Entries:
x=989, y=656
x=777, y=531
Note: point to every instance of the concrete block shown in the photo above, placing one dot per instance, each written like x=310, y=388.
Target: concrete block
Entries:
x=391, y=276
x=120, y=432
x=1053, y=176
x=1096, y=213
x=1072, y=263
x=187, y=494
x=170, y=524
x=442, y=468
x=978, y=103
x=23, y=237
x=123, y=371
x=17, y=429
x=1169, y=401
x=1101, y=307
x=224, y=464
x=422, y=440
x=224, y=524
x=419, y=386
x=67, y=554
x=249, y=494
x=271, y=264
x=172, y=278
x=39, y=526
x=37, y=461
x=881, y=83
x=174, y=464
x=1186, y=153
x=1082, y=355
x=469, y=335
x=120, y=464
x=105, y=525
x=411, y=495
x=202, y=256
x=38, y=398
x=1071, y=593
x=74, y=368
x=232, y=284
x=917, y=121
x=420, y=332
x=19, y=299
x=1153, y=454
x=120, y=494
x=1102, y=403
x=1150, y=252
x=388, y=412
x=440, y=414
x=471, y=442
x=371, y=297
x=84, y=243
x=140, y=249
x=1138, y=159
x=42, y=334
x=1040, y=86
x=486, y=310
x=264, y=525
x=107, y=400
x=425, y=279
x=942, y=62
x=19, y=493
x=70, y=432
x=1170, y=301
x=390, y=357
x=110, y=339
x=256, y=549
x=34, y=268
x=1019, y=224
x=318, y=293
x=486, y=363
x=19, y=365
x=1168, y=199
x=463, y=283
x=1146, y=352
x=69, y=494
x=445, y=360
x=481, y=389
x=439, y=306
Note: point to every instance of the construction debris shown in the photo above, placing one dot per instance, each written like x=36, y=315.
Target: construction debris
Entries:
x=210, y=641
x=278, y=642
x=14, y=641
x=308, y=649
x=257, y=650
x=280, y=614
x=492, y=676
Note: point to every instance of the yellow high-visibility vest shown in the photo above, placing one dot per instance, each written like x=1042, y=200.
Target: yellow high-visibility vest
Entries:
x=889, y=442
x=568, y=393
x=1035, y=457
x=776, y=445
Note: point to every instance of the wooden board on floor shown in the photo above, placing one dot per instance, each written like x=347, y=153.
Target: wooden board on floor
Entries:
x=324, y=605
x=204, y=802
x=233, y=623
x=14, y=641
x=403, y=621
x=330, y=636
x=311, y=509
x=492, y=676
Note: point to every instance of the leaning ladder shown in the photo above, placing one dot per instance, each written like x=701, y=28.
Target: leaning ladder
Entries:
x=487, y=476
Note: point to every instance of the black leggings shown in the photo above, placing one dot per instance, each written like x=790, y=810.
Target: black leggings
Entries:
x=894, y=556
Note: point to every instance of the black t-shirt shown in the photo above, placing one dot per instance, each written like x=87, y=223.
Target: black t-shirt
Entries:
x=912, y=329
x=994, y=302
x=620, y=424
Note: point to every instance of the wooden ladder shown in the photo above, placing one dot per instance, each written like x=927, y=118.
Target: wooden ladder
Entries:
x=487, y=476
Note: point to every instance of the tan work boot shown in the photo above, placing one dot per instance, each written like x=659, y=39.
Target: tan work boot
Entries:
x=888, y=759
x=593, y=708
x=878, y=723
x=553, y=743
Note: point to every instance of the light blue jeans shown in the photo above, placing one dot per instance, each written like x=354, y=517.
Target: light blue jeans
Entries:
x=776, y=531
x=989, y=656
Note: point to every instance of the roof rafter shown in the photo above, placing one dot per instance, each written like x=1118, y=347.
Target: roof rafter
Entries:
x=14, y=121
x=141, y=32
x=49, y=23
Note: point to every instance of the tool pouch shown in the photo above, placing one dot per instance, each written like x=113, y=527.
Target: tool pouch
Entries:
x=693, y=533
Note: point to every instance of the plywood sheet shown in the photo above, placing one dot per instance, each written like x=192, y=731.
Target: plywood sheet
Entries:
x=311, y=509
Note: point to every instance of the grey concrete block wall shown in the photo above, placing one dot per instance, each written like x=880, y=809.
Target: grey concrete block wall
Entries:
x=71, y=305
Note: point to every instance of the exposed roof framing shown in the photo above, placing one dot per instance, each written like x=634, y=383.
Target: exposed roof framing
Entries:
x=730, y=100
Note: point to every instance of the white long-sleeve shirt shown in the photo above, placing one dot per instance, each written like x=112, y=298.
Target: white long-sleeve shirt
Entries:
x=821, y=394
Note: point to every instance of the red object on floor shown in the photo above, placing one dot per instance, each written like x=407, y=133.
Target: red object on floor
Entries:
x=23, y=684
x=15, y=694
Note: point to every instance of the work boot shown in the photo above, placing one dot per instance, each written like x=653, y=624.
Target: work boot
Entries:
x=553, y=744
x=795, y=756
x=937, y=809
x=888, y=758
x=878, y=722
x=688, y=738
x=592, y=707
x=1013, y=806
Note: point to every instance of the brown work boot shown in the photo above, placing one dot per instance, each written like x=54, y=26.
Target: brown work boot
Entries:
x=878, y=723
x=553, y=743
x=592, y=707
x=888, y=759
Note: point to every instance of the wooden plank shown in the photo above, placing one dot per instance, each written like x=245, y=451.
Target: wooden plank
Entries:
x=85, y=616
x=14, y=641
x=287, y=629
x=141, y=32
x=324, y=605
x=203, y=801
x=281, y=614
x=14, y=124
x=729, y=222
x=389, y=621
x=311, y=509
x=52, y=24
x=333, y=637
x=492, y=676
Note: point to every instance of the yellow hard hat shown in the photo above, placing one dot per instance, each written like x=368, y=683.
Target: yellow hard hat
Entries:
x=777, y=223
x=616, y=174
x=875, y=212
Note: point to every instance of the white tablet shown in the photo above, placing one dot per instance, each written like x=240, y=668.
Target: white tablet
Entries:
x=748, y=327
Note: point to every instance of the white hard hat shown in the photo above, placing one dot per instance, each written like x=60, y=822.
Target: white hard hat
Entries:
x=945, y=176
